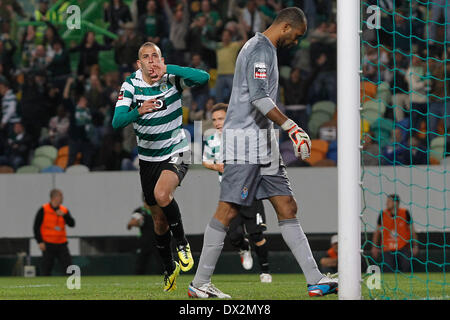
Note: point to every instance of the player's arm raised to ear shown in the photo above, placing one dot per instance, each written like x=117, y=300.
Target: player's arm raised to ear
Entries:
x=187, y=77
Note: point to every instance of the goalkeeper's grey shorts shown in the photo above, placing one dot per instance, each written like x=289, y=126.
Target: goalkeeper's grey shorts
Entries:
x=243, y=183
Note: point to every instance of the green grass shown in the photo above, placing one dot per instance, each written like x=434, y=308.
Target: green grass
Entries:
x=243, y=287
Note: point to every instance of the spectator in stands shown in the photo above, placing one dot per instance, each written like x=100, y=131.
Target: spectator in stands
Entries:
x=126, y=48
x=38, y=103
x=213, y=20
x=8, y=106
x=323, y=41
x=179, y=25
x=142, y=218
x=400, y=97
x=17, y=148
x=226, y=54
x=405, y=147
x=50, y=232
x=50, y=37
x=59, y=65
x=80, y=127
x=418, y=86
x=116, y=13
x=150, y=24
x=439, y=8
x=89, y=50
x=58, y=128
x=198, y=30
x=270, y=8
x=252, y=19
x=371, y=151
x=39, y=59
x=200, y=94
x=394, y=237
x=28, y=46
x=296, y=90
x=207, y=122
x=329, y=263
x=8, y=8
x=439, y=101
x=7, y=49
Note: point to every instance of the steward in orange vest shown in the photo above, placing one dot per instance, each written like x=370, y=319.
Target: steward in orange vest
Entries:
x=50, y=232
x=330, y=261
x=395, y=236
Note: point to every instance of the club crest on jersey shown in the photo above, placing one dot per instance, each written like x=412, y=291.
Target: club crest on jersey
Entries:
x=244, y=193
x=163, y=87
x=260, y=70
x=120, y=97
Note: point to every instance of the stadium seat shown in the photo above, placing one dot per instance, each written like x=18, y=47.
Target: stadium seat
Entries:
x=41, y=162
x=368, y=90
x=384, y=93
x=332, y=151
x=365, y=126
x=28, y=169
x=6, y=169
x=319, y=149
x=317, y=119
x=382, y=130
x=378, y=106
x=62, y=157
x=77, y=168
x=324, y=106
x=46, y=151
x=370, y=115
x=437, y=148
x=52, y=169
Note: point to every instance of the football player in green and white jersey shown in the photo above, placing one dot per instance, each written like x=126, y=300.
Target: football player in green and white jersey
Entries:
x=150, y=99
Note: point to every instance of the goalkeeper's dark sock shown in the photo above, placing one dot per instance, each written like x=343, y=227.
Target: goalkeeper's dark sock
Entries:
x=173, y=215
x=165, y=251
x=263, y=253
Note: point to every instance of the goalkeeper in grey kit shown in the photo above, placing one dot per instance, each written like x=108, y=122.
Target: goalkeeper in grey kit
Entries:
x=258, y=172
x=250, y=223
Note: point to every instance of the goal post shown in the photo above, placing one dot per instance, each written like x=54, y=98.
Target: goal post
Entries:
x=348, y=104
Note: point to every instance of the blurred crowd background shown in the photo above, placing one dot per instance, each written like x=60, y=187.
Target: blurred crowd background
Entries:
x=58, y=86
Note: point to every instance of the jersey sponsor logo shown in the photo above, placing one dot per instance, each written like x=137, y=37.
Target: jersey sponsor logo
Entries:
x=260, y=70
x=120, y=97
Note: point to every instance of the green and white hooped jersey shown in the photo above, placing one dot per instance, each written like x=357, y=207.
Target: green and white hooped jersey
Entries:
x=159, y=134
x=211, y=150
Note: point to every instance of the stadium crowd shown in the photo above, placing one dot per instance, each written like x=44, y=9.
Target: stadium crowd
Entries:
x=45, y=101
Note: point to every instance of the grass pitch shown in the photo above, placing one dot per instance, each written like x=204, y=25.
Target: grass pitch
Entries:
x=241, y=287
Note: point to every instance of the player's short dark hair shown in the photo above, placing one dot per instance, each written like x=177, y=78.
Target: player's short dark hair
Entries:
x=219, y=107
x=292, y=15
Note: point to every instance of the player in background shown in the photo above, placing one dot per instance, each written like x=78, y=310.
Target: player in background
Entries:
x=255, y=171
x=150, y=98
x=250, y=220
x=141, y=218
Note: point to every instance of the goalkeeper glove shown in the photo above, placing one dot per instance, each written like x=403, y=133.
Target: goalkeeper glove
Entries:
x=300, y=139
